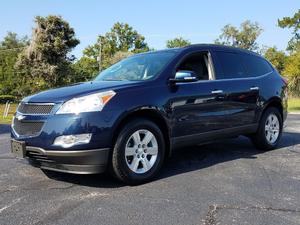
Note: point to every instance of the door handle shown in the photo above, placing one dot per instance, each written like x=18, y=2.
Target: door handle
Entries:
x=217, y=92
x=254, y=88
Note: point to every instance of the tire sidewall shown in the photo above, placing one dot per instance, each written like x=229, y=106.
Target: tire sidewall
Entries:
x=263, y=123
x=120, y=150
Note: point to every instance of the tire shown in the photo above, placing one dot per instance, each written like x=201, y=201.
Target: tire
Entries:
x=262, y=138
x=134, y=159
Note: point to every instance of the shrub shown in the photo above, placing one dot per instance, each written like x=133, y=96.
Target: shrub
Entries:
x=5, y=98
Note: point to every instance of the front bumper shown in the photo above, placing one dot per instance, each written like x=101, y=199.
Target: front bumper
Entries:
x=69, y=161
x=53, y=126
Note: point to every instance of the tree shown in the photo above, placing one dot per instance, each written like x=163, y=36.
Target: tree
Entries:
x=118, y=56
x=10, y=47
x=292, y=23
x=245, y=37
x=46, y=61
x=12, y=42
x=84, y=70
x=121, y=38
x=292, y=65
x=177, y=42
x=292, y=72
x=277, y=58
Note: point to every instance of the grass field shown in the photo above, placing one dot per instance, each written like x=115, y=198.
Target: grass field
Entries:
x=293, y=106
x=11, y=112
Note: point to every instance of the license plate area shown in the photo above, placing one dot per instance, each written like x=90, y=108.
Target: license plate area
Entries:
x=18, y=148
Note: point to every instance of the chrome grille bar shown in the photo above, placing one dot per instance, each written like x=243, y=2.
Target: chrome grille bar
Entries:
x=35, y=108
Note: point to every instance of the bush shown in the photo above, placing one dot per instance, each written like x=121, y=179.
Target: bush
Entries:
x=5, y=98
x=292, y=73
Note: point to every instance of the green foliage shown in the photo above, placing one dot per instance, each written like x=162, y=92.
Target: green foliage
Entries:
x=292, y=72
x=294, y=24
x=245, y=37
x=45, y=63
x=10, y=47
x=277, y=58
x=12, y=42
x=177, y=43
x=5, y=98
x=118, y=56
x=84, y=69
x=87, y=68
x=121, y=38
x=53, y=38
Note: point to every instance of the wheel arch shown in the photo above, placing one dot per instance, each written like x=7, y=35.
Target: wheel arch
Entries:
x=152, y=114
x=275, y=102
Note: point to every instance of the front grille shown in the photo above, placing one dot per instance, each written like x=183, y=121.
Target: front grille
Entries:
x=28, y=128
x=35, y=109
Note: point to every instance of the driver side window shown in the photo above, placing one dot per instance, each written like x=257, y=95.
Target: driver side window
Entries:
x=197, y=63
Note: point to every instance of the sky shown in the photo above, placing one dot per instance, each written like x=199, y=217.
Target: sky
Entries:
x=198, y=21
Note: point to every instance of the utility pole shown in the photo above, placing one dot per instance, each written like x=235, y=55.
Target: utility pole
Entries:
x=100, y=56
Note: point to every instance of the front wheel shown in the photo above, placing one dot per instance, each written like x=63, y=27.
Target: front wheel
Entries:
x=139, y=152
x=269, y=131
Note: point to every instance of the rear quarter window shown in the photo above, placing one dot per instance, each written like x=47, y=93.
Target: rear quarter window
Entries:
x=231, y=65
x=255, y=65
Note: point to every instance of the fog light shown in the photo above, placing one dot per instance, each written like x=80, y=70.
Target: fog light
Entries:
x=67, y=141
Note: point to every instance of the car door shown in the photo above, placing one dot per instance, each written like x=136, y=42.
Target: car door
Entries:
x=242, y=91
x=197, y=108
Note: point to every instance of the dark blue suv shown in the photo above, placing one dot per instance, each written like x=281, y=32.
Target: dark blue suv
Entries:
x=135, y=113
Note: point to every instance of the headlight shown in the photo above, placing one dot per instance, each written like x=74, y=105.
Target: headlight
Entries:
x=88, y=103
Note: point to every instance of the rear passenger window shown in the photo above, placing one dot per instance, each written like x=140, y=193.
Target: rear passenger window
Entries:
x=256, y=66
x=231, y=65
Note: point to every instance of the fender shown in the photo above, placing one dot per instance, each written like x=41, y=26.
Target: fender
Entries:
x=274, y=101
x=154, y=113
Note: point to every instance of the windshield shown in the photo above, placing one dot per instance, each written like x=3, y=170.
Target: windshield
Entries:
x=137, y=68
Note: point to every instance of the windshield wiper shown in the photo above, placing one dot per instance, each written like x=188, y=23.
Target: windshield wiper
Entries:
x=115, y=80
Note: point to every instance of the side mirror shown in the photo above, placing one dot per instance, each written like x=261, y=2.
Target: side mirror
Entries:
x=184, y=76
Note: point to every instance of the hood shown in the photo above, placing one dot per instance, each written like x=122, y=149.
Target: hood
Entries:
x=65, y=93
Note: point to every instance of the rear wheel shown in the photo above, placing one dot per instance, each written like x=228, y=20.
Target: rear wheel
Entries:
x=269, y=131
x=138, y=153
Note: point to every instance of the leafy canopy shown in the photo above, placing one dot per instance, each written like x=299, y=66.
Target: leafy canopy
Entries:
x=46, y=62
x=10, y=47
x=292, y=72
x=177, y=43
x=244, y=37
x=121, y=38
x=12, y=42
x=84, y=69
x=277, y=58
x=294, y=24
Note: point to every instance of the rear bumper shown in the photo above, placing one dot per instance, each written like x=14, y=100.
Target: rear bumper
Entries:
x=71, y=161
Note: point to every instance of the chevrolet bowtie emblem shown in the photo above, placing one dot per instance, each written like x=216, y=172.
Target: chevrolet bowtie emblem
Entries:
x=20, y=117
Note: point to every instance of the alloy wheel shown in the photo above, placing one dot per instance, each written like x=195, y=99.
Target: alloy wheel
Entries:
x=141, y=151
x=272, y=128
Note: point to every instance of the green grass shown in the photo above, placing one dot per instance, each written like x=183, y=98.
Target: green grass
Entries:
x=294, y=105
x=11, y=112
